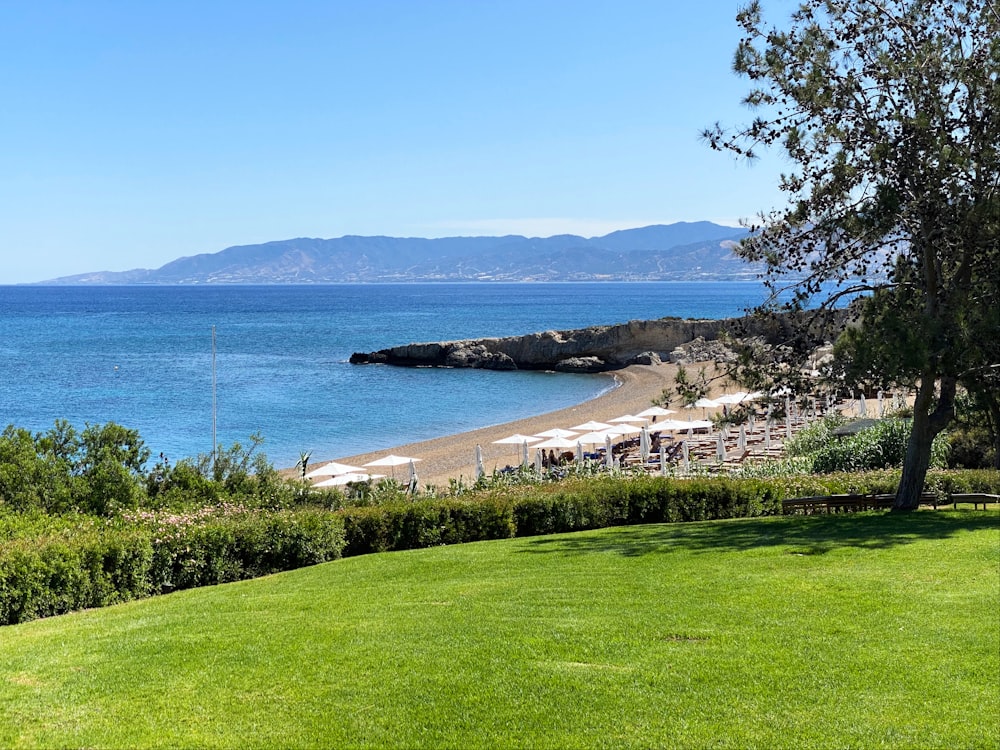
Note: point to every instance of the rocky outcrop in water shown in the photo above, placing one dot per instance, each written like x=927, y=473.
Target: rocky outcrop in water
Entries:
x=594, y=349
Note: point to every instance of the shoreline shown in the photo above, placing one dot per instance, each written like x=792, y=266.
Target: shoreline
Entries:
x=453, y=456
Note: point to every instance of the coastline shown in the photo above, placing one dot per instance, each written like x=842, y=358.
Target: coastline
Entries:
x=453, y=456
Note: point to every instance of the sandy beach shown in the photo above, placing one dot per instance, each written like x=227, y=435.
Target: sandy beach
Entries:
x=453, y=456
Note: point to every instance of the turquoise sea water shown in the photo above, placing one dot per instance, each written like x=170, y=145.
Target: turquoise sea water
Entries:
x=142, y=356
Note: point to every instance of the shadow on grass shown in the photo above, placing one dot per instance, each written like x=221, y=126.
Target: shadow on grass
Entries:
x=808, y=535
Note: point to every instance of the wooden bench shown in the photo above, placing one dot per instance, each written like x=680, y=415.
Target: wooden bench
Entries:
x=834, y=504
x=976, y=498
x=847, y=503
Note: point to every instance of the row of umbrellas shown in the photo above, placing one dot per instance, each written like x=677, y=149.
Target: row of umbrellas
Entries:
x=341, y=474
x=603, y=433
x=590, y=433
x=643, y=424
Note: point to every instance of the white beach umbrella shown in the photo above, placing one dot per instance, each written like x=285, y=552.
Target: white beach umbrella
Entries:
x=720, y=448
x=609, y=459
x=703, y=404
x=341, y=479
x=862, y=406
x=555, y=432
x=538, y=461
x=698, y=424
x=706, y=403
x=630, y=419
x=623, y=429
x=644, y=444
x=332, y=469
x=579, y=452
x=517, y=439
x=590, y=426
x=521, y=440
x=663, y=460
x=592, y=438
x=480, y=469
x=413, y=476
x=730, y=399
x=556, y=442
x=741, y=441
x=669, y=425
x=392, y=461
x=656, y=411
x=687, y=456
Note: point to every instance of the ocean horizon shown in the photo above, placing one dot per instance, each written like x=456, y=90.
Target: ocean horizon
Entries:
x=141, y=356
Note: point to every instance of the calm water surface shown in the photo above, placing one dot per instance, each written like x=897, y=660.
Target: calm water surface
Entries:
x=142, y=356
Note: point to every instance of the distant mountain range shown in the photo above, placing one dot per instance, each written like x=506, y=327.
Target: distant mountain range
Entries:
x=682, y=251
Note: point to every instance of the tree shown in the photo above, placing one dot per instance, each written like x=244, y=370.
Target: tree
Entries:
x=112, y=464
x=889, y=114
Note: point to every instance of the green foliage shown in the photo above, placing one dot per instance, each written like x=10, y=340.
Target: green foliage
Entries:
x=973, y=437
x=425, y=523
x=815, y=436
x=232, y=542
x=887, y=114
x=99, y=470
x=52, y=565
x=881, y=446
x=687, y=388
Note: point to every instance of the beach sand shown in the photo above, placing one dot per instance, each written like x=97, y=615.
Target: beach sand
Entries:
x=453, y=456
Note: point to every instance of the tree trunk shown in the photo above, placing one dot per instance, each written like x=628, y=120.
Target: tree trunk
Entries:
x=926, y=426
x=918, y=458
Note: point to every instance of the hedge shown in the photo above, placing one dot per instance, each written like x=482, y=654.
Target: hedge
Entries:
x=102, y=562
x=55, y=564
x=425, y=523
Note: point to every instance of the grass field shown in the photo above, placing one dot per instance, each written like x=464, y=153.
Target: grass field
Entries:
x=867, y=630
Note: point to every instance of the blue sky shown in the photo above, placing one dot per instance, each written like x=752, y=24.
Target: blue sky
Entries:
x=139, y=132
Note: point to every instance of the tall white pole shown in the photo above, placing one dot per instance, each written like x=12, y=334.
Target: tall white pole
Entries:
x=214, y=405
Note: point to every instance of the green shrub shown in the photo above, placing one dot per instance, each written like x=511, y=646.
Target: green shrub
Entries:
x=425, y=523
x=815, y=436
x=66, y=570
x=56, y=565
x=881, y=446
x=50, y=564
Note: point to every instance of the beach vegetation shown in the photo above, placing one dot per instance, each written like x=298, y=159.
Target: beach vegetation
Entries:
x=882, y=445
x=889, y=115
x=973, y=437
x=83, y=523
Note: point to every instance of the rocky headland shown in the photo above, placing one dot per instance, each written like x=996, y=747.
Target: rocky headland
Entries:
x=593, y=349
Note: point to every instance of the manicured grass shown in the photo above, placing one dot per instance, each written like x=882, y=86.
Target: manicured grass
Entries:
x=864, y=630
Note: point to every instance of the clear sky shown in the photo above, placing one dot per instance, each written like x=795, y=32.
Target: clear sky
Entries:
x=135, y=133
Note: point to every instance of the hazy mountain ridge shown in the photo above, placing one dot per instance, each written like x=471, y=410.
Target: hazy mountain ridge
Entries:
x=682, y=251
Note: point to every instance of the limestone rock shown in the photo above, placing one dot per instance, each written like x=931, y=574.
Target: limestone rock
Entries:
x=700, y=350
x=580, y=364
x=593, y=349
x=646, y=358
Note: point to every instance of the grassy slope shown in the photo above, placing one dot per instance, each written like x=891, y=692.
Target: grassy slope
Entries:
x=850, y=631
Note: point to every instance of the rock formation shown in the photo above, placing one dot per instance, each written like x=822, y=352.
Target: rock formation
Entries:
x=594, y=349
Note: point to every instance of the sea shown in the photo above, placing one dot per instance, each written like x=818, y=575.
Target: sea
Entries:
x=144, y=357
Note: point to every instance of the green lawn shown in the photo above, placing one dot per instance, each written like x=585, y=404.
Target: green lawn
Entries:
x=866, y=630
